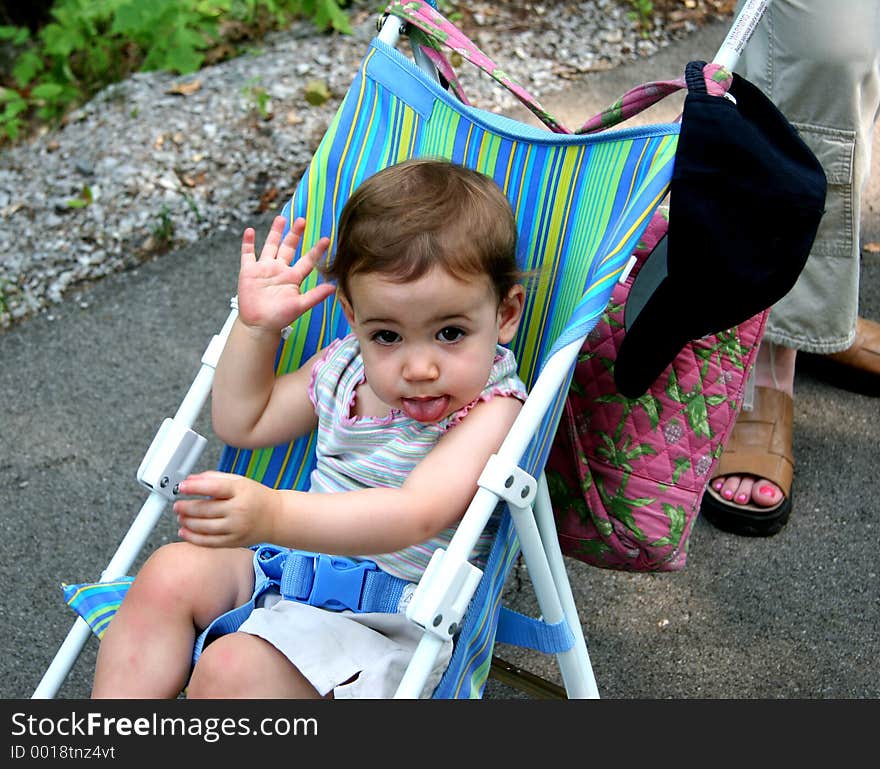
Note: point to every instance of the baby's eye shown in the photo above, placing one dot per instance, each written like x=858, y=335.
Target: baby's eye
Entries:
x=450, y=334
x=385, y=337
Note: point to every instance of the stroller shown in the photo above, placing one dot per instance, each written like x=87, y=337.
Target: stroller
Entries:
x=582, y=201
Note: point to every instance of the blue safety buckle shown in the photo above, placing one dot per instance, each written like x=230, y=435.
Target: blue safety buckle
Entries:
x=338, y=582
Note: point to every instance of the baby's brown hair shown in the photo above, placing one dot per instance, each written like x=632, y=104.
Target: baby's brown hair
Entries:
x=421, y=213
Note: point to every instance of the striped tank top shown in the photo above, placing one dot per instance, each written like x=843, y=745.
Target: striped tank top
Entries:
x=366, y=452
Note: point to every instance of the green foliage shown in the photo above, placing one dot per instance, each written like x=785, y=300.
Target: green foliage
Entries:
x=316, y=92
x=4, y=302
x=642, y=13
x=84, y=199
x=13, y=104
x=88, y=44
x=171, y=35
x=449, y=10
x=163, y=232
x=259, y=96
x=325, y=14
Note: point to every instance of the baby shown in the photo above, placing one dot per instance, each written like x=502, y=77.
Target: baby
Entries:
x=408, y=408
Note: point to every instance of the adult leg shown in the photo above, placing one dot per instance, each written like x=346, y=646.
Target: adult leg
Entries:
x=147, y=649
x=822, y=69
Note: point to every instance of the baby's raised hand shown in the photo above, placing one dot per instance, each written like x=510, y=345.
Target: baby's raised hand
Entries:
x=269, y=295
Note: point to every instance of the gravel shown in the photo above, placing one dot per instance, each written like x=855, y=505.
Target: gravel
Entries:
x=161, y=160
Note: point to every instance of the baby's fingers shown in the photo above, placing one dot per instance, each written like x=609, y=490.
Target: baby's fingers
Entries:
x=309, y=260
x=203, y=524
x=205, y=539
x=316, y=295
x=248, y=252
x=291, y=240
x=273, y=239
x=191, y=509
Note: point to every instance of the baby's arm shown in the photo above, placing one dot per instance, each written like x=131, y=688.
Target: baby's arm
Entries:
x=378, y=520
x=251, y=407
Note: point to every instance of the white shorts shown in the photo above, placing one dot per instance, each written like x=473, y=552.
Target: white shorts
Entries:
x=332, y=648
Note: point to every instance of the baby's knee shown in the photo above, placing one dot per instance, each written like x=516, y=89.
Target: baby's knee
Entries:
x=181, y=568
x=204, y=581
x=225, y=669
x=173, y=563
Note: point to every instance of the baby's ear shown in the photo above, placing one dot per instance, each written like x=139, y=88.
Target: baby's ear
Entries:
x=510, y=312
x=347, y=309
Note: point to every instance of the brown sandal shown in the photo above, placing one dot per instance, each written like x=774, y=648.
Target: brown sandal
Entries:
x=760, y=446
x=863, y=354
x=856, y=368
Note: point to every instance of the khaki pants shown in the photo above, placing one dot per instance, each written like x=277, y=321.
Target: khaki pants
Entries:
x=819, y=62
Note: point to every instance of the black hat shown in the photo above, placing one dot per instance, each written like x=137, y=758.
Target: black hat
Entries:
x=746, y=198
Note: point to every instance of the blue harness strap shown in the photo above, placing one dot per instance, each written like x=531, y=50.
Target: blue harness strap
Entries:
x=329, y=582
x=519, y=630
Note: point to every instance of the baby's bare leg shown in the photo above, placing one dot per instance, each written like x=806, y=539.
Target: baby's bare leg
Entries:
x=147, y=649
x=244, y=666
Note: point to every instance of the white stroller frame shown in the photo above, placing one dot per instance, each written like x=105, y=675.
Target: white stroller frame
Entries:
x=444, y=592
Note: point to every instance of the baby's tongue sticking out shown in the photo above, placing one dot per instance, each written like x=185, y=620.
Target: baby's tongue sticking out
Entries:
x=425, y=409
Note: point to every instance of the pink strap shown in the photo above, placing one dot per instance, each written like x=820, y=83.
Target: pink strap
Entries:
x=637, y=99
x=438, y=32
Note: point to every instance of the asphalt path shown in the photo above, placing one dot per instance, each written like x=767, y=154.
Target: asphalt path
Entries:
x=86, y=385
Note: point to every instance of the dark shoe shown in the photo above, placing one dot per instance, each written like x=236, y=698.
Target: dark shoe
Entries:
x=760, y=446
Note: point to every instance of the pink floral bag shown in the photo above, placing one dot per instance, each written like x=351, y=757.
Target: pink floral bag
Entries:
x=626, y=476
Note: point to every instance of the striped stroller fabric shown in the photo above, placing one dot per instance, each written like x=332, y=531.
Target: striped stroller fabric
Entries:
x=468, y=669
x=97, y=602
x=581, y=203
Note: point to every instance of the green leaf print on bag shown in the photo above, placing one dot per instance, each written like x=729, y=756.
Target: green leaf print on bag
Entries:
x=642, y=464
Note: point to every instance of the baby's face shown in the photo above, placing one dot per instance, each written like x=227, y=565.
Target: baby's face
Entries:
x=428, y=345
